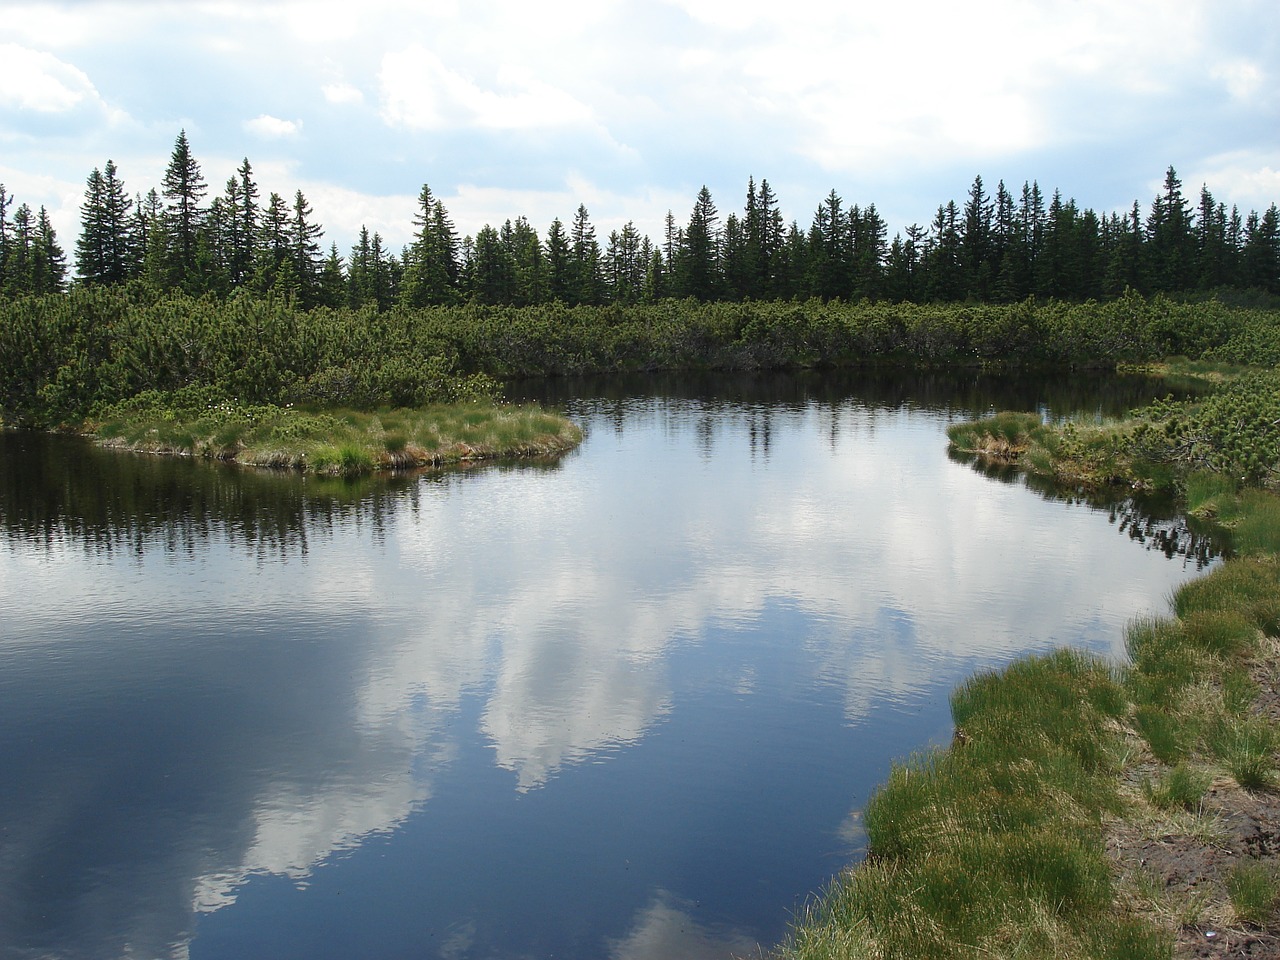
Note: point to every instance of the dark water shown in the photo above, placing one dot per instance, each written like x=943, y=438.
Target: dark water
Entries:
x=626, y=706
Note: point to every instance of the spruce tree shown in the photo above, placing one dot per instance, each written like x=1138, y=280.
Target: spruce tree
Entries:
x=183, y=188
x=49, y=262
x=869, y=233
x=304, y=250
x=625, y=264
x=491, y=273
x=1260, y=258
x=333, y=281
x=584, y=260
x=6, y=235
x=558, y=271
x=977, y=241
x=737, y=275
x=241, y=197
x=91, y=244
x=19, y=252
x=274, y=247
x=1170, y=243
x=698, y=273
x=431, y=268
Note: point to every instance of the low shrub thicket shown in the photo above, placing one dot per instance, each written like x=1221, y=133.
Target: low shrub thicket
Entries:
x=64, y=356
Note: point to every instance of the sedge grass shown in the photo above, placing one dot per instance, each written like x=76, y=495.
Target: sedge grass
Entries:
x=1182, y=786
x=1254, y=888
x=1246, y=746
x=1257, y=529
x=341, y=442
x=992, y=847
x=1210, y=495
x=1169, y=733
x=1239, y=690
x=1249, y=586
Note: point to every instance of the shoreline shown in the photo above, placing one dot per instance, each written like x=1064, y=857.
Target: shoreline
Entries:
x=1087, y=808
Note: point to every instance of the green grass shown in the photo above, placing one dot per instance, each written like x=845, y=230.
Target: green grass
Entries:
x=1162, y=664
x=1210, y=495
x=1169, y=733
x=1181, y=787
x=993, y=847
x=1246, y=746
x=1257, y=530
x=1249, y=587
x=1239, y=690
x=1003, y=434
x=1254, y=888
x=340, y=442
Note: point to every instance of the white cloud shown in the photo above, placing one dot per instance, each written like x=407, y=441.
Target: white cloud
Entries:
x=667, y=928
x=273, y=128
x=342, y=93
x=420, y=91
x=1242, y=78
x=644, y=103
x=1248, y=178
x=35, y=80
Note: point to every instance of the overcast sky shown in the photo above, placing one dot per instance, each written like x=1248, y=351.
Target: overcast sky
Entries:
x=509, y=108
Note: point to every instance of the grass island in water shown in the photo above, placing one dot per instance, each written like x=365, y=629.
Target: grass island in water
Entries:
x=331, y=441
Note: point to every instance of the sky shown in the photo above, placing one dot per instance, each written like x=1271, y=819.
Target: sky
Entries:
x=532, y=108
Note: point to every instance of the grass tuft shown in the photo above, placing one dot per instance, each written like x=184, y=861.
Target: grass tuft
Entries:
x=1246, y=746
x=1257, y=531
x=1254, y=888
x=1181, y=787
x=1169, y=733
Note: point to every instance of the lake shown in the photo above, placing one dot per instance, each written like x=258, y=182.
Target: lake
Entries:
x=627, y=704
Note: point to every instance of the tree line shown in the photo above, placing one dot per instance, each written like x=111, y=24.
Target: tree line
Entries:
x=991, y=248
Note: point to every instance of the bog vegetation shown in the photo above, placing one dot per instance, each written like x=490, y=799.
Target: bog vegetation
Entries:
x=994, y=847
x=199, y=422
x=225, y=327
x=65, y=356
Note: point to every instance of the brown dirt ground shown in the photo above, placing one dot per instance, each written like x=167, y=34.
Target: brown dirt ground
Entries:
x=1178, y=864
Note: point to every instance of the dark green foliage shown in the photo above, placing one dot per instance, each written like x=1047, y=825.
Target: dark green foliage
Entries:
x=1234, y=431
x=68, y=356
x=183, y=187
x=65, y=354
x=990, y=249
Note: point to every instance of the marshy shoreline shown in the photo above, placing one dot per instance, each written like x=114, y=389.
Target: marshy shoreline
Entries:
x=1087, y=808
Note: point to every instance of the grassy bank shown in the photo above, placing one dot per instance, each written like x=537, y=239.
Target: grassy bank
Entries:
x=1088, y=809
x=332, y=441
x=1231, y=433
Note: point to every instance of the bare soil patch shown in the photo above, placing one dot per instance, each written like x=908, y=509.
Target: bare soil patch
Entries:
x=1176, y=866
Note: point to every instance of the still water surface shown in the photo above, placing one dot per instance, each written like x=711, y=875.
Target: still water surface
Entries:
x=627, y=705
